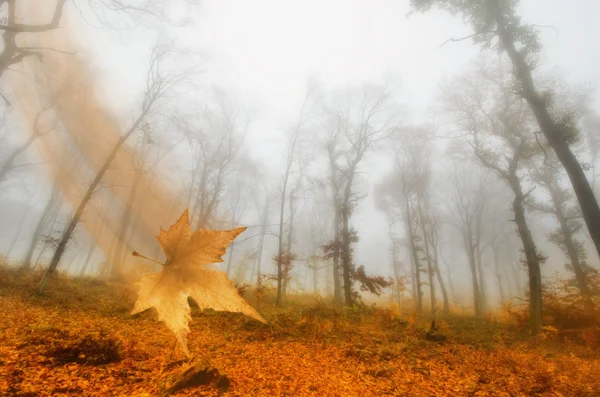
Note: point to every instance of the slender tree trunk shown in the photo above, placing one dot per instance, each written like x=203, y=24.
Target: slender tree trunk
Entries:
x=280, y=251
x=230, y=259
x=261, y=239
x=581, y=185
x=71, y=262
x=452, y=290
x=348, y=301
x=469, y=246
x=88, y=257
x=395, y=269
x=119, y=253
x=517, y=277
x=531, y=254
x=51, y=229
x=337, y=288
x=410, y=234
x=17, y=233
x=429, y=263
x=430, y=279
x=498, y=274
x=479, y=260
x=7, y=166
x=62, y=245
x=570, y=245
x=482, y=283
x=436, y=265
x=290, y=239
x=37, y=233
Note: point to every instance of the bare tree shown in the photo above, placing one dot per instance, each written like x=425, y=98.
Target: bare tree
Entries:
x=429, y=222
x=156, y=87
x=466, y=202
x=399, y=191
x=12, y=53
x=367, y=119
x=306, y=113
x=496, y=23
x=263, y=209
x=568, y=216
x=216, y=139
x=500, y=132
x=142, y=167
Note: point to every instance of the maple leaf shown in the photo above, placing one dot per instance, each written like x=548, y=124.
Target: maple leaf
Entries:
x=184, y=275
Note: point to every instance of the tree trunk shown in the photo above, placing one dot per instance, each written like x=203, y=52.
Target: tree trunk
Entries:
x=581, y=186
x=230, y=259
x=261, y=239
x=451, y=283
x=119, y=253
x=51, y=229
x=478, y=261
x=482, y=283
x=62, y=245
x=498, y=274
x=570, y=245
x=8, y=164
x=517, y=277
x=469, y=246
x=87, y=259
x=337, y=288
x=395, y=269
x=333, y=182
x=429, y=264
x=346, y=265
x=17, y=233
x=446, y=307
x=37, y=233
x=290, y=238
x=531, y=255
x=280, y=252
x=414, y=257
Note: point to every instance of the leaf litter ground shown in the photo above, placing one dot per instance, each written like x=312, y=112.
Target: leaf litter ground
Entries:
x=80, y=340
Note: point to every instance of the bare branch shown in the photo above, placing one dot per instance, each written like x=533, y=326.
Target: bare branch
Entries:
x=22, y=28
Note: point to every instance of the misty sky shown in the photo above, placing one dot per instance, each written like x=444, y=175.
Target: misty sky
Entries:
x=265, y=51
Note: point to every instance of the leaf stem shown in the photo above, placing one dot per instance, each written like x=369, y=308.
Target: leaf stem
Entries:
x=135, y=253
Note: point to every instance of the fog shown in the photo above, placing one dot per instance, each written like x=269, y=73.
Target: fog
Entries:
x=364, y=126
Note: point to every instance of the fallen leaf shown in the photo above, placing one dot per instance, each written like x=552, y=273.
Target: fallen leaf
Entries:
x=184, y=275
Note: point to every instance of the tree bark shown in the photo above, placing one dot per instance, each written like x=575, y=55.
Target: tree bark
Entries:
x=581, y=185
x=348, y=301
x=337, y=292
x=446, y=303
x=469, y=246
x=280, y=250
x=569, y=243
x=429, y=263
x=37, y=233
x=498, y=274
x=413, y=255
x=531, y=255
x=261, y=239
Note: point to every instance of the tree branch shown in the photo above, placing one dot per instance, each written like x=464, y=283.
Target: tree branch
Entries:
x=22, y=28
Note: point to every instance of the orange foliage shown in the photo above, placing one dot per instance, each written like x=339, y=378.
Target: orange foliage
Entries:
x=80, y=340
x=568, y=315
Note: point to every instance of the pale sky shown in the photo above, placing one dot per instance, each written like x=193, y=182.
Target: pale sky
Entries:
x=265, y=51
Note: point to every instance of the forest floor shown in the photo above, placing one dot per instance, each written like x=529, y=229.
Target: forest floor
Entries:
x=79, y=339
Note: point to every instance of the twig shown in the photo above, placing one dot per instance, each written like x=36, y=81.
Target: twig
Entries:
x=453, y=40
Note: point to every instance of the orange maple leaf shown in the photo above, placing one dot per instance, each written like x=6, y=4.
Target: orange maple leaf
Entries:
x=184, y=275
